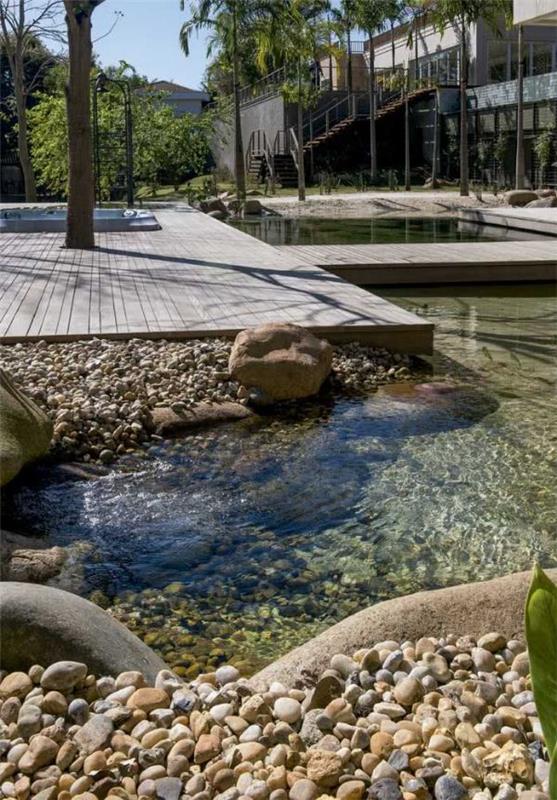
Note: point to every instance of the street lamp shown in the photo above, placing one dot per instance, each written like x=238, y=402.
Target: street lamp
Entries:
x=101, y=86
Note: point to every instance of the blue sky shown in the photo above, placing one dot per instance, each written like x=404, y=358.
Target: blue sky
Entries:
x=147, y=37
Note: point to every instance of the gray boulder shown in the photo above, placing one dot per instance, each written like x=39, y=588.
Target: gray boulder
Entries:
x=282, y=361
x=520, y=197
x=543, y=202
x=43, y=625
x=25, y=430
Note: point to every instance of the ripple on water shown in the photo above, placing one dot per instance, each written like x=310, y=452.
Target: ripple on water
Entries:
x=241, y=542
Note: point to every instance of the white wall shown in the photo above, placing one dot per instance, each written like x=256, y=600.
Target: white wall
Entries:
x=538, y=12
x=429, y=42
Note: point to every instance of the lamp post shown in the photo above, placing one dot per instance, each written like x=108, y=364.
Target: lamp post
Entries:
x=101, y=86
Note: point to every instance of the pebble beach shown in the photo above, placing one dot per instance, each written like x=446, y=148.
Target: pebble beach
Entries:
x=100, y=393
x=449, y=719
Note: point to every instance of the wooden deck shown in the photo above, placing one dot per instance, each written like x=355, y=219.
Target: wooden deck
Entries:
x=458, y=262
x=196, y=277
x=533, y=220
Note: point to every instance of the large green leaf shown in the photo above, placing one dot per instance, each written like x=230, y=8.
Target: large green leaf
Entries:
x=541, y=635
x=553, y=775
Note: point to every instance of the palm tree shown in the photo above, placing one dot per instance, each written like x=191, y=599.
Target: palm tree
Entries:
x=226, y=18
x=463, y=14
x=303, y=32
x=395, y=11
x=519, y=171
x=81, y=185
x=370, y=16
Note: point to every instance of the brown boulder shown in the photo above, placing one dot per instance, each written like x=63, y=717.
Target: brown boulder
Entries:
x=520, y=197
x=282, y=361
x=165, y=421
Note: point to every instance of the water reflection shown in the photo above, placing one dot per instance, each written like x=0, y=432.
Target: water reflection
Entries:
x=375, y=230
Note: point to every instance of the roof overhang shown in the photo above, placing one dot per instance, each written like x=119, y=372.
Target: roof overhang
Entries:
x=535, y=12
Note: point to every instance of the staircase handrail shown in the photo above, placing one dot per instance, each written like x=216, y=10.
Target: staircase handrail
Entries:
x=266, y=85
x=293, y=146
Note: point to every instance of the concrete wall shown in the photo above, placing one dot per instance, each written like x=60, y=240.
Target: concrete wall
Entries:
x=269, y=115
x=541, y=11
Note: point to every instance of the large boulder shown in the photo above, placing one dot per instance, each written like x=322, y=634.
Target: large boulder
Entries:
x=25, y=430
x=42, y=625
x=520, y=197
x=252, y=208
x=543, y=202
x=281, y=361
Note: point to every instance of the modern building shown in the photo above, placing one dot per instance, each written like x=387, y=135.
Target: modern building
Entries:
x=182, y=99
x=535, y=12
x=336, y=129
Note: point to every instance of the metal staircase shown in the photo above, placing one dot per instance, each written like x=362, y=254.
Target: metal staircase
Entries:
x=331, y=120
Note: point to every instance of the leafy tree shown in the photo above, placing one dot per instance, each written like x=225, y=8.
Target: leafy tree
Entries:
x=371, y=16
x=462, y=14
x=166, y=148
x=227, y=19
x=22, y=24
x=543, y=147
x=303, y=33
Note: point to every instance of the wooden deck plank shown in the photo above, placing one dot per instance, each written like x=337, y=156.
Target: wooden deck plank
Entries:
x=451, y=262
x=195, y=277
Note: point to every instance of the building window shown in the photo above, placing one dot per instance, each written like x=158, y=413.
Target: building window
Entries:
x=542, y=55
x=498, y=61
x=539, y=58
x=440, y=68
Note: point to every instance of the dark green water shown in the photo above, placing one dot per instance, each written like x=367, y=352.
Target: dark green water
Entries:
x=241, y=542
x=375, y=230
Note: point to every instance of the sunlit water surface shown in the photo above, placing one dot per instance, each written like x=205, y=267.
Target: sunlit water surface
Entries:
x=241, y=542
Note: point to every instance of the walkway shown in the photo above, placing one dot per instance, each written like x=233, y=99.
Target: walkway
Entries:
x=534, y=220
x=458, y=262
x=195, y=277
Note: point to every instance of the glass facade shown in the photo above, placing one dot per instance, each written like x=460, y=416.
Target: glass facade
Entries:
x=539, y=58
x=441, y=67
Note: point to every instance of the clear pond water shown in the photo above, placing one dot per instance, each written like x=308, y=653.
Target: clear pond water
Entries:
x=241, y=542
x=375, y=230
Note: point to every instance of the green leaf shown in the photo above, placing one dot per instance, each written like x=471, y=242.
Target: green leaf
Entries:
x=553, y=775
x=541, y=635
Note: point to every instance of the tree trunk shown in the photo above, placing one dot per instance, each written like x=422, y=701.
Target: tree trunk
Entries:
x=239, y=162
x=14, y=52
x=349, y=56
x=407, y=177
x=519, y=171
x=372, y=130
x=464, y=177
x=435, y=160
x=301, y=165
x=393, y=45
x=81, y=186
x=22, y=136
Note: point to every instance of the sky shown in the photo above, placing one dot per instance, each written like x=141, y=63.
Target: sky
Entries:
x=147, y=38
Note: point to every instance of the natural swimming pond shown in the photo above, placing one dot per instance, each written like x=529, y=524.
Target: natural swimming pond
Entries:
x=375, y=230
x=241, y=542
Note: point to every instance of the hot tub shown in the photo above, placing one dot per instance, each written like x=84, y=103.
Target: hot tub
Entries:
x=47, y=220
